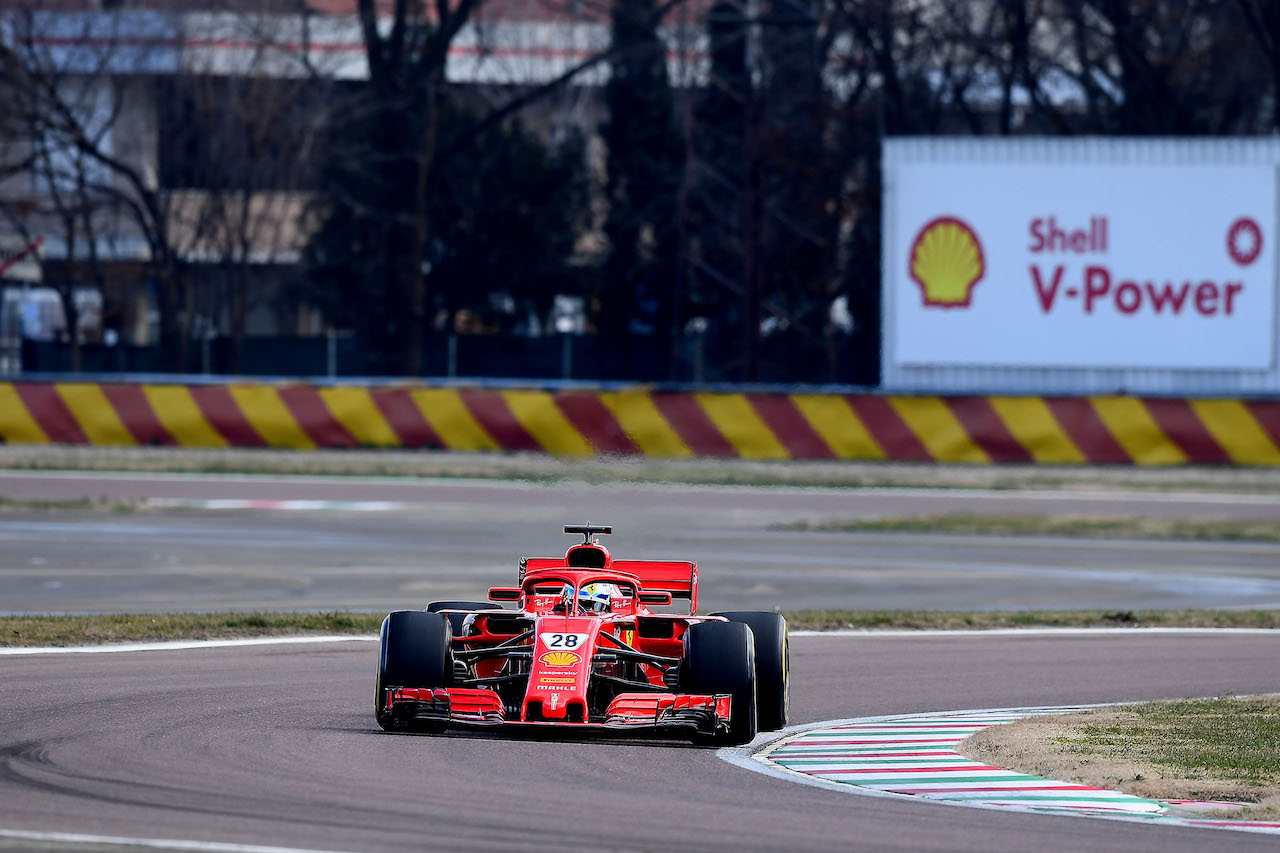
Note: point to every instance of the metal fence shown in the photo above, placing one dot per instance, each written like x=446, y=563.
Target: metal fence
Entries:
x=695, y=359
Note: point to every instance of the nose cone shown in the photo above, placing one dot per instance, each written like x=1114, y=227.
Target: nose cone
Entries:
x=561, y=669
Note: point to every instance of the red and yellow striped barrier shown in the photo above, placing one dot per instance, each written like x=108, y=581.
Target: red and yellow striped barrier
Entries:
x=641, y=421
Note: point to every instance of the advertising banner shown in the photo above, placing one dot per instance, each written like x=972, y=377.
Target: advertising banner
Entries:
x=1081, y=264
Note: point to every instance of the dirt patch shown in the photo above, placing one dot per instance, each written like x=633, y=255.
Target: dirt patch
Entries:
x=1068, y=748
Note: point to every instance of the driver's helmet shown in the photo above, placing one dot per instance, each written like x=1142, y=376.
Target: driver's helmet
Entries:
x=597, y=597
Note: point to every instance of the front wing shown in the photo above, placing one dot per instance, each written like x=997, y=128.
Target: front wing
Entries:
x=465, y=706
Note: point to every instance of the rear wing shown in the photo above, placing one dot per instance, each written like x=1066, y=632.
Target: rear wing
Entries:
x=537, y=564
x=678, y=577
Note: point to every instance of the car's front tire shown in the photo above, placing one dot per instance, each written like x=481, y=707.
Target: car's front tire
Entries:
x=720, y=657
x=416, y=651
x=773, y=665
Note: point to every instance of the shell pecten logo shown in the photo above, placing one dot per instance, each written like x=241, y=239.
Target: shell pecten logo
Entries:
x=559, y=658
x=947, y=262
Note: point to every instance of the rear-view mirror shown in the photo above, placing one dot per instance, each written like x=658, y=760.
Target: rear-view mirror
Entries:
x=503, y=593
x=655, y=597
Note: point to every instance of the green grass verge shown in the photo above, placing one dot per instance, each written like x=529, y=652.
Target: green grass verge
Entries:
x=1188, y=751
x=1203, y=530
x=82, y=630
x=73, y=504
x=1225, y=739
x=91, y=629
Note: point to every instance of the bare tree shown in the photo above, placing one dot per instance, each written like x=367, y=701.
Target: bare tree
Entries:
x=239, y=186
x=62, y=196
x=81, y=109
x=1263, y=20
x=221, y=193
x=406, y=78
x=390, y=149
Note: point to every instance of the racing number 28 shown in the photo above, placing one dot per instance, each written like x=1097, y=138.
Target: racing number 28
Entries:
x=561, y=641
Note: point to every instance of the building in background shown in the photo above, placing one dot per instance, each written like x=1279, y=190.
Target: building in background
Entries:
x=191, y=136
x=186, y=159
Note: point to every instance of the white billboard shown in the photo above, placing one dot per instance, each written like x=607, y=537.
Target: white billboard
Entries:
x=1095, y=261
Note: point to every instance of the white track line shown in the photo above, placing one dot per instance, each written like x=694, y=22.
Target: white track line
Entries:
x=152, y=843
x=269, y=504
x=178, y=645
x=745, y=757
x=1029, y=632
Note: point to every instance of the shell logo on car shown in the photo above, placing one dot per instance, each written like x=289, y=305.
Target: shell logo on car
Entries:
x=559, y=658
x=947, y=262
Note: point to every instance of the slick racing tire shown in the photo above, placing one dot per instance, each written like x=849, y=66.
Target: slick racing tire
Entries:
x=773, y=665
x=456, y=619
x=416, y=651
x=720, y=657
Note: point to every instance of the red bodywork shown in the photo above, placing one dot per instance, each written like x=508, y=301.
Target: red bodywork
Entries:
x=549, y=663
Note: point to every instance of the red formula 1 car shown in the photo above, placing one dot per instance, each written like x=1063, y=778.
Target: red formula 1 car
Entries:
x=582, y=650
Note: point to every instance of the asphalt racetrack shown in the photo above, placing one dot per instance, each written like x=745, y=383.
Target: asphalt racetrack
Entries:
x=276, y=745
x=451, y=539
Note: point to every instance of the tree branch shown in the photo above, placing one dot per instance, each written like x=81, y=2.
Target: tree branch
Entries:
x=510, y=108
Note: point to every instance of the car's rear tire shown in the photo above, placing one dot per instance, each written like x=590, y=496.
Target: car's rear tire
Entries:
x=720, y=657
x=416, y=651
x=773, y=665
x=456, y=619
